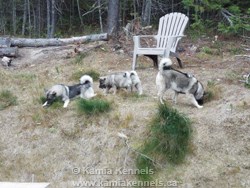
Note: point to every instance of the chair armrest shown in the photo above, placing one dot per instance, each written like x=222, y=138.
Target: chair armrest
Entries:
x=137, y=41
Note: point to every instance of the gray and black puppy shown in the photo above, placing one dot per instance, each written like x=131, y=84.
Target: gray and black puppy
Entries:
x=87, y=91
x=116, y=81
x=179, y=82
x=64, y=92
x=136, y=82
x=68, y=92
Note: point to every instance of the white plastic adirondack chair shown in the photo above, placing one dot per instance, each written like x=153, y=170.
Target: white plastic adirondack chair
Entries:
x=170, y=31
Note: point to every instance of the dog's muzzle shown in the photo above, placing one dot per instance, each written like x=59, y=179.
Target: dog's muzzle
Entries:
x=166, y=67
x=200, y=101
x=102, y=86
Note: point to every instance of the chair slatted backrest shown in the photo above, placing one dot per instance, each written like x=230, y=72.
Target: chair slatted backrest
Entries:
x=172, y=24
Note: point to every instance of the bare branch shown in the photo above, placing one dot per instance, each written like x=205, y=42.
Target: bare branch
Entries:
x=141, y=154
x=248, y=56
x=94, y=7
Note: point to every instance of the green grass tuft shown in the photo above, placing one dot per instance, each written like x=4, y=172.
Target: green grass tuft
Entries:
x=93, y=106
x=172, y=131
x=247, y=85
x=7, y=99
x=132, y=95
x=213, y=91
x=169, y=139
x=78, y=59
x=247, y=82
x=144, y=165
x=235, y=50
x=95, y=75
x=207, y=50
x=77, y=75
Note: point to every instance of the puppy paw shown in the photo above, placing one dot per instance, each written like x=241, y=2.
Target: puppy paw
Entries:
x=45, y=104
x=161, y=101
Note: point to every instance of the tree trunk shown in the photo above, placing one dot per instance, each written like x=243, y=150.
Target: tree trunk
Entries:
x=79, y=12
x=34, y=21
x=38, y=18
x=48, y=19
x=29, y=17
x=134, y=5
x=23, y=42
x=113, y=17
x=100, y=14
x=24, y=17
x=53, y=19
x=146, y=12
x=14, y=16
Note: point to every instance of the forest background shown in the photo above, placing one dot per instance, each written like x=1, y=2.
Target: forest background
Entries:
x=62, y=18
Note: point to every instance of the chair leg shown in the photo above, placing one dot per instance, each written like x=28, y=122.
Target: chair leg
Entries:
x=177, y=57
x=179, y=62
x=134, y=61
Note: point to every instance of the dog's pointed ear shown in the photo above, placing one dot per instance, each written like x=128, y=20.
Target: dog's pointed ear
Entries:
x=45, y=90
x=102, y=78
x=126, y=74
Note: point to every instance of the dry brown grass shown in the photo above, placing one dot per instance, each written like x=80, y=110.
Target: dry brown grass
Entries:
x=213, y=91
x=50, y=142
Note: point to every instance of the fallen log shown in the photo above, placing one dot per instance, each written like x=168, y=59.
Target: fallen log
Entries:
x=4, y=42
x=9, y=52
x=40, y=42
x=80, y=49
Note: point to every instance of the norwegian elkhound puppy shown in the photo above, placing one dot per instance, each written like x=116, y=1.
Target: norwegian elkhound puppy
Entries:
x=68, y=92
x=136, y=82
x=179, y=82
x=87, y=92
x=116, y=81
x=62, y=91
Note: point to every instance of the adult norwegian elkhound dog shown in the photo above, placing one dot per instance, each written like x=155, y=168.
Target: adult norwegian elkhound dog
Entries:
x=179, y=82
